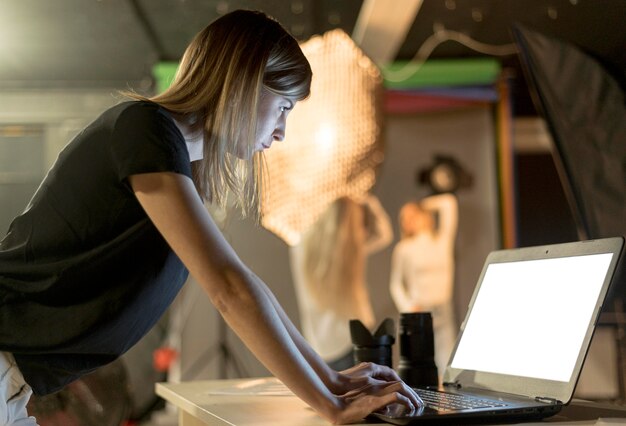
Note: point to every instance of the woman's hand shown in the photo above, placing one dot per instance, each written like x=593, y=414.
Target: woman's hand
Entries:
x=378, y=396
x=368, y=387
x=360, y=375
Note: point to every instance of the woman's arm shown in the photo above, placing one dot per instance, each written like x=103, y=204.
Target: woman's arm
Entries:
x=338, y=382
x=446, y=205
x=378, y=225
x=172, y=203
x=397, y=286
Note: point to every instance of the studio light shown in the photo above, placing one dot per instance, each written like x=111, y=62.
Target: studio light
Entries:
x=333, y=144
x=445, y=174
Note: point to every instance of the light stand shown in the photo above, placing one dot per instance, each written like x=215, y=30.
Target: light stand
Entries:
x=179, y=318
x=222, y=350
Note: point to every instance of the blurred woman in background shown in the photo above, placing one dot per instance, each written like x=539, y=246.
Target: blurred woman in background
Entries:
x=422, y=266
x=329, y=269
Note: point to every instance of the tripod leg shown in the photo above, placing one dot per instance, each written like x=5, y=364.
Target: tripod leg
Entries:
x=221, y=350
x=228, y=357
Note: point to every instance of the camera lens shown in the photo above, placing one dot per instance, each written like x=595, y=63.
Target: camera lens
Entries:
x=379, y=353
x=417, y=350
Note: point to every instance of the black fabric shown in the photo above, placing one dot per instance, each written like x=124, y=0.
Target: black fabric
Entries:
x=585, y=109
x=84, y=274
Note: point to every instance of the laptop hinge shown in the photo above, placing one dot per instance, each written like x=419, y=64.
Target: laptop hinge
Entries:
x=548, y=400
x=455, y=384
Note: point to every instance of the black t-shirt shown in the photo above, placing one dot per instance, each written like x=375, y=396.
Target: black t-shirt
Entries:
x=84, y=274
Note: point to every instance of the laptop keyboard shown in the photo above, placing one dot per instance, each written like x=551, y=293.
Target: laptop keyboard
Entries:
x=442, y=401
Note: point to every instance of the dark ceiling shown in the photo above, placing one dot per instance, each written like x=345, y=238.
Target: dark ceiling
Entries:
x=115, y=43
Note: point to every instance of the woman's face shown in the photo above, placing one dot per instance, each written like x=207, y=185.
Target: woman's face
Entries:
x=272, y=112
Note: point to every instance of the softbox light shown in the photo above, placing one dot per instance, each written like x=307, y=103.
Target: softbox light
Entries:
x=583, y=106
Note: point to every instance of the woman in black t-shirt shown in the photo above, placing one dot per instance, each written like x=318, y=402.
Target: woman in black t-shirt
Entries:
x=134, y=182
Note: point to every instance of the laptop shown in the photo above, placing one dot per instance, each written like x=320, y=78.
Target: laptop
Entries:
x=522, y=345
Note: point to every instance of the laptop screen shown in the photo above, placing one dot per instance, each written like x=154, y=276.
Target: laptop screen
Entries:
x=530, y=317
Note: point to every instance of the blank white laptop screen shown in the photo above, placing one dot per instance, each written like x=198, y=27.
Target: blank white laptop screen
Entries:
x=530, y=317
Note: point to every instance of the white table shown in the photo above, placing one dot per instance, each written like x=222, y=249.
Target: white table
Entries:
x=266, y=402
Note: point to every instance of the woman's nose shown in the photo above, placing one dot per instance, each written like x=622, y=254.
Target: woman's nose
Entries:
x=279, y=131
x=278, y=135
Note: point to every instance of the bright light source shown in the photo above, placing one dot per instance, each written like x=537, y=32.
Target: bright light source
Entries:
x=333, y=144
x=325, y=137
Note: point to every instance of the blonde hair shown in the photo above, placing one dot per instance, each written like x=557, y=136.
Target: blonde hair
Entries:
x=333, y=262
x=216, y=90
